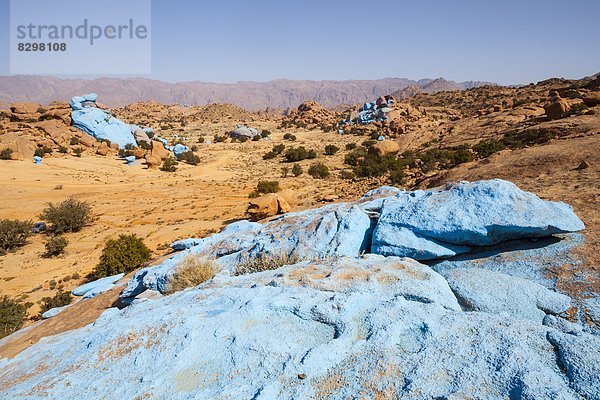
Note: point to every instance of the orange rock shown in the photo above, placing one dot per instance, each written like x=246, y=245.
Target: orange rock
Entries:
x=385, y=147
x=263, y=207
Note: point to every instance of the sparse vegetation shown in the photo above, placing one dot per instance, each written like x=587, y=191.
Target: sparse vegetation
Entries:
x=169, y=165
x=60, y=299
x=347, y=175
x=68, y=216
x=297, y=170
x=265, y=262
x=290, y=137
x=123, y=254
x=13, y=234
x=265, y=187
x=319, y=171
x=192, y=271
x=486, y=148
x=78, y=151
x=331, y=149
x=6, y=154
x=189, y=157
x=285, y=171
x=350, y=146
x=42, y=151
x=12, y=315
x=55, y=246
x=74, y=141
x=295, y=154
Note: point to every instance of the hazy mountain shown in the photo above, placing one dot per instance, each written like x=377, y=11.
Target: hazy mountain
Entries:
x=250, y=95
x=432, y=86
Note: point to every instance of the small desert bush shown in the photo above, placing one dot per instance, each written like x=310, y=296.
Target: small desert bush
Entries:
x=290, y=137
x=169, y=165
x=265, y=262
x=256, y=138
x=297, y=170
x=61, y=299
x=42, y=151
x=13, y=234
x=6, y=154
x=319, y=171
x=74, y=141
x=69, y=216
x=192, y=271
x=265, y=187
x=295, y=154
x=350, y=146
x=486, y=148
x=12, y=315
x=78, y=151
x=331, y=149
x=189, y=157
x=55, y=246
x=123, y=254
x=265, y=133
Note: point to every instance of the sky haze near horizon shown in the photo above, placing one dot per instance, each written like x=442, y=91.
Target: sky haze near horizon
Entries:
x=508, y=42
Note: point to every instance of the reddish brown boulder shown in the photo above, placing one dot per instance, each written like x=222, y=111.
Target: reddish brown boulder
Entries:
x=158, y=150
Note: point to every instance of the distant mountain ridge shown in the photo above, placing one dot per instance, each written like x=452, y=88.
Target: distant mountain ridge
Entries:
x=281, y=93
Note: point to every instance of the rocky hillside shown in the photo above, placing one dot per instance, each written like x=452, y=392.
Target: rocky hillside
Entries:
x=337, y=311
x=249, y=95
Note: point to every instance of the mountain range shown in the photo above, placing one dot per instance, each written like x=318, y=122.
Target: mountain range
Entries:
x=281, y=93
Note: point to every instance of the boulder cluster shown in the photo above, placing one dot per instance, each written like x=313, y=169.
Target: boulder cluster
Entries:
x=353, y=314
x=310, y=115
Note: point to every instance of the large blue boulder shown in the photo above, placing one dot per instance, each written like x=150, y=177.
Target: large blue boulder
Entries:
x=98, y=123
x=469, y=214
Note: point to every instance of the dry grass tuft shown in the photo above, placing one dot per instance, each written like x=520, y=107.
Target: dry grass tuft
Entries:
x=265, y=262
x=192, y=271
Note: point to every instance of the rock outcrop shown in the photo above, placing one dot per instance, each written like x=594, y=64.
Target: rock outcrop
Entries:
x=99, y=123
x=335, y=322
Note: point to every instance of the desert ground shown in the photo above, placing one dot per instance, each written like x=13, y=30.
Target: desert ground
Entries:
x=195, y=201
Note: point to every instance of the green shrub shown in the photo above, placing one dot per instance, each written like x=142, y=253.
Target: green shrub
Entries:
x=63, y=150
x=355, y=156
x=12, y=315
x=269, y=156
x=294, y=154
x=331, y=149
x=486, y=148
x=42, y=151
x=189, y=157
x=219, y=138
x=290, y=137
x=374, y=166
x=531, y=137
x=265, y=133
x=68, y=216
x=55, y=246
x=297, y=170
x=60, y=299
x=265, y=262
x=144, y=145
x=78, y=151
x=6, y=154
x=169, y=165
x=319, y=171
x=201, y=139
x=74, y=141
x=278, y=149
x=350, y=146
x=285, y=171
x=267, y=187
x=256, y=138
x=122, y=255
x=14, y=234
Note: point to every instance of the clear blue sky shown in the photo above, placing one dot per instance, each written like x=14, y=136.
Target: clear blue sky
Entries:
x=506, y=41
